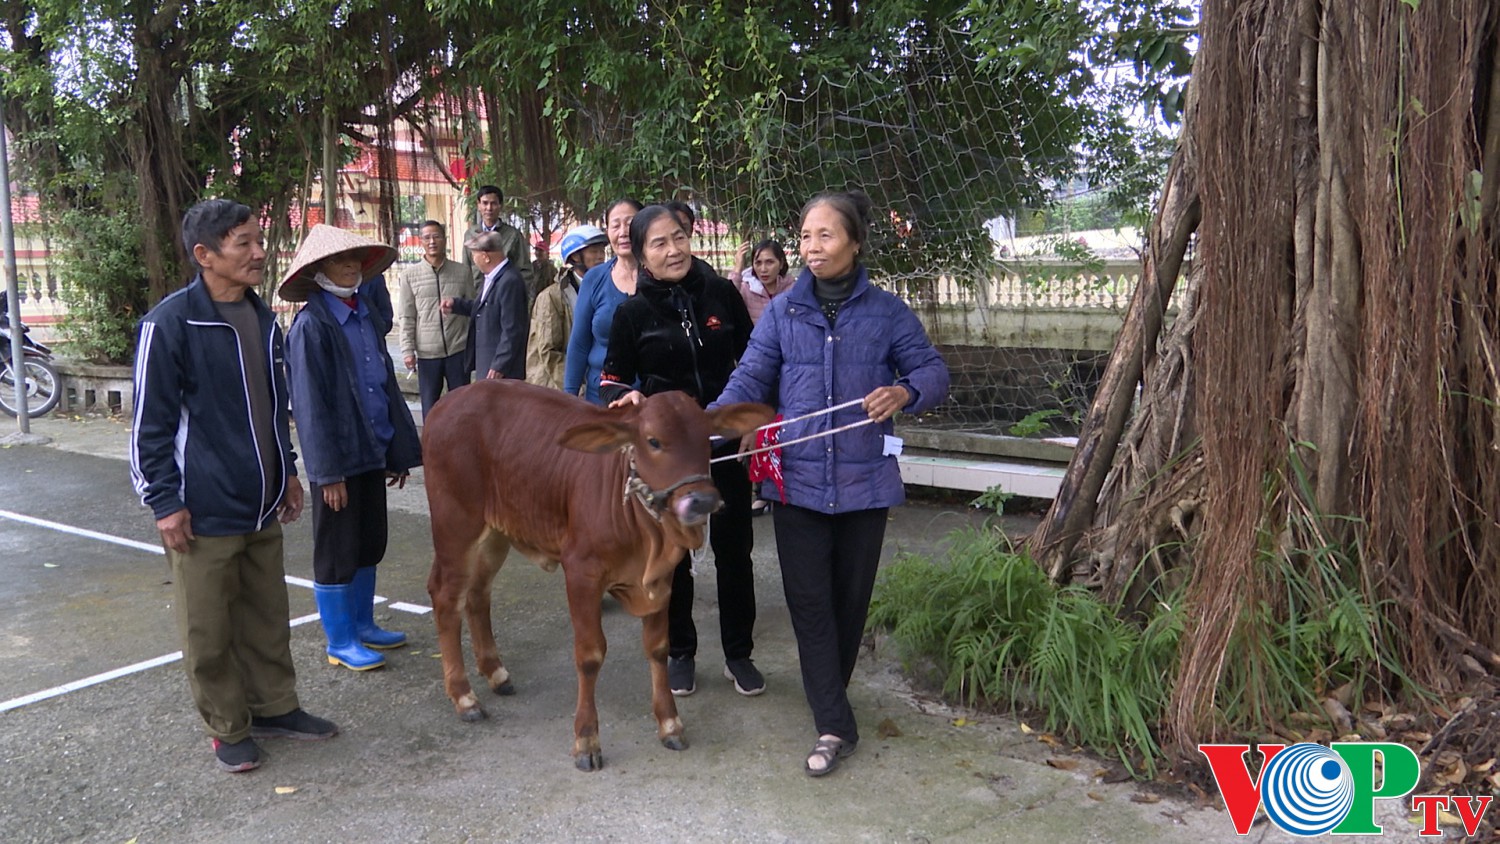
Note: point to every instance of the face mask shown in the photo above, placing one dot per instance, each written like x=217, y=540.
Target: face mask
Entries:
x=327, y=284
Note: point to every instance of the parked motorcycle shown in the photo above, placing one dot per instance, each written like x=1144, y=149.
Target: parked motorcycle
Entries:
x=40, y=380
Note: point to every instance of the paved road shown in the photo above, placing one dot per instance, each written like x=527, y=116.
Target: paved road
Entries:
x=124, y=759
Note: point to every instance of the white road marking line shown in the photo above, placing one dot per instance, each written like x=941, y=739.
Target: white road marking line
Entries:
x=90, y=534
x=157, y=549
x=90, y=681
x=165, y=659
x=95, y=680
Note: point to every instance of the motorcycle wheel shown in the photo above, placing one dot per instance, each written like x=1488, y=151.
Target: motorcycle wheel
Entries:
x=41, y=385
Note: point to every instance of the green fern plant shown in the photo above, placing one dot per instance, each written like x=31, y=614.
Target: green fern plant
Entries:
x=999, y=633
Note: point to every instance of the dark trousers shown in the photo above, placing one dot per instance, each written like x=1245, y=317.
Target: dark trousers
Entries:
x=732, y=537
x=351, y=538
x=232, y=613
x=433, y=373
x=828, y=565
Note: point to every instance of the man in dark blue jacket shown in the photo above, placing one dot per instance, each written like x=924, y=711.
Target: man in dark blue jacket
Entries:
x=211, y=455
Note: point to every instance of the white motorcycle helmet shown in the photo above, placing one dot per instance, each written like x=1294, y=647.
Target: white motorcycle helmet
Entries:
x=578, y=237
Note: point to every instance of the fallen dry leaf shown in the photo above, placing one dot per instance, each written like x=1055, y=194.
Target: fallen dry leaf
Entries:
x=286, y=789
x=1063, y=764
x=887, y=729
x=1049, y=740
x=1025, y=729
x=1399, y=721
x=1113, y=774
x=961, y=722
x=1303, y=719
x=1094, y=795
x=1144, y=797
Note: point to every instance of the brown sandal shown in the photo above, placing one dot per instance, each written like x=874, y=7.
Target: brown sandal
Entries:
x=831, y=749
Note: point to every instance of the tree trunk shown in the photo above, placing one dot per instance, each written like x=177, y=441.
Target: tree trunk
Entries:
x=1178, y=212
x=330, y=167
x=165, y=184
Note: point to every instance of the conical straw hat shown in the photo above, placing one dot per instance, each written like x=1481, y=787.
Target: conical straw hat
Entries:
x=323, y=241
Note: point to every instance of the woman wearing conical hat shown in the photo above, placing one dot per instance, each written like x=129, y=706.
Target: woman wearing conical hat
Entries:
x=356, y=431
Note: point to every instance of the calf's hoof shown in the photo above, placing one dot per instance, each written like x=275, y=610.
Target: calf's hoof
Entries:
x=469, y=709
x=590, y=761
x=499, y=682
x=674, y=742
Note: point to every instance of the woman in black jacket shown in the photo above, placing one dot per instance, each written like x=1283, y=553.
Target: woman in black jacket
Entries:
x=684, y=329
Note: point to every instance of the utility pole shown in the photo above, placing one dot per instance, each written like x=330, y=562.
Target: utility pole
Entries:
x=12, y=288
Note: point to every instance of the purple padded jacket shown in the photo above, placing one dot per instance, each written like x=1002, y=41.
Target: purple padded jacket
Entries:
x=796, y=364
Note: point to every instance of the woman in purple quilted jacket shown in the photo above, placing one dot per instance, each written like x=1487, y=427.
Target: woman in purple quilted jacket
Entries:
x=835, y=338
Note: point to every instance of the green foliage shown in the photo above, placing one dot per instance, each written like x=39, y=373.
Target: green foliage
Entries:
x=997, y=631
x=1034, y=423
x=1085, y=212
x=1073, y=42
x=170, y=103
x=98, y=259
x=746, y=109
x=994, y=499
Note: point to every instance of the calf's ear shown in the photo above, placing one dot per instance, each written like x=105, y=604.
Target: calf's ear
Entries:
x=597, y=437
x=736, y=420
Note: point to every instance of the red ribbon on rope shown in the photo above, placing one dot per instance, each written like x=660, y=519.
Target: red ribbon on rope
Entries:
x=766, y=466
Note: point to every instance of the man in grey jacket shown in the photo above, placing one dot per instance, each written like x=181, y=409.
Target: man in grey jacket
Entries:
x=433, y=343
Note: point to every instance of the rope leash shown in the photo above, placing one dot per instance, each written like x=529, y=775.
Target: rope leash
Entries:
x=803, y=417
x=816, y=413
x=828, y=433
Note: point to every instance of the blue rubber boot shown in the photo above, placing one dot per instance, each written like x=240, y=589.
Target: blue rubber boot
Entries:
x=362, y=597
x=338, y=624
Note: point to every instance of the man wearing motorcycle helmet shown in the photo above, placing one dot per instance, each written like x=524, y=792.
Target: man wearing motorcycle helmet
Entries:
x=552, y=316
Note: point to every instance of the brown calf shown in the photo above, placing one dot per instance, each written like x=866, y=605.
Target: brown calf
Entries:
x=616, y=497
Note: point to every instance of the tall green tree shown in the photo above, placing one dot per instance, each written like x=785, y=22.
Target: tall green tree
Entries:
x=142, y=107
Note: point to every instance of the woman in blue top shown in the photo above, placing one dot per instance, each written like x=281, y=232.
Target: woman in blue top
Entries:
x=835, y=339
x=602, y=290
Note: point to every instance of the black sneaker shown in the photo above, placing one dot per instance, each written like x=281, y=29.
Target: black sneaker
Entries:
x=681, y=675
x=296, y=724
x=746, y=677
x=243, y=755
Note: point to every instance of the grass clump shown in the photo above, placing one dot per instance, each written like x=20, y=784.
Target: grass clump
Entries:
x=999, y=633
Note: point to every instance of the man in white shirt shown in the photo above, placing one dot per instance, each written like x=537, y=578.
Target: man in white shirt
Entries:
x=499, y=316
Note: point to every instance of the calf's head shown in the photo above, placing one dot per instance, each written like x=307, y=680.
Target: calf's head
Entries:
x=669, y=439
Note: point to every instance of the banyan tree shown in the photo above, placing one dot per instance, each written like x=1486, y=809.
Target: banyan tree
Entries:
x=1308, y=373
